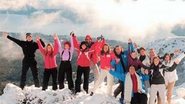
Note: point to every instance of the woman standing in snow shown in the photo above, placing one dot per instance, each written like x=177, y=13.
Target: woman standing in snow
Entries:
x=65, y=65
x=49, y=55
x=170, y=77
x=157, y=79
x=105, y=64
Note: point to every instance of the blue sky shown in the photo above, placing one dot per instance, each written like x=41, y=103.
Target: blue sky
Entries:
x=116, y=19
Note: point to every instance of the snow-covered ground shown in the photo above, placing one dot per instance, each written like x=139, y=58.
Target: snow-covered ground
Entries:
x=31, y=95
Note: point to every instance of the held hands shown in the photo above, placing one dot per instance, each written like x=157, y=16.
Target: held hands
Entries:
x=5, y=34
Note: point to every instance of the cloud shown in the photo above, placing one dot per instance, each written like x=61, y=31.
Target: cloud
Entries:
x=117, y=19
x=40, y=19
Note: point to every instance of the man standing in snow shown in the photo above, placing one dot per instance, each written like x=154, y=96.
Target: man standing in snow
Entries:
x=29, y=48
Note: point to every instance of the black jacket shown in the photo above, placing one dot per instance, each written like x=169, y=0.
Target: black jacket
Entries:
x=157, y=76
x=29, y=48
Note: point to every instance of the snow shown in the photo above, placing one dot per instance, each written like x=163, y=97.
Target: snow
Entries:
x=31, y=95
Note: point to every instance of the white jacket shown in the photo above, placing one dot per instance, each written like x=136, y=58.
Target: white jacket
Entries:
x=128, y=91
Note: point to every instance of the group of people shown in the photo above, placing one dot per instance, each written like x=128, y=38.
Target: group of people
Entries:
x=143, y=78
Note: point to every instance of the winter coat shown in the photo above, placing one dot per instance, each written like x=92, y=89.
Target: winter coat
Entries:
x=128, y=91
x=96, y=46
x=29, y=48
x=49, y=59
x=121, y=67
x=105, y=61
x=157, y=73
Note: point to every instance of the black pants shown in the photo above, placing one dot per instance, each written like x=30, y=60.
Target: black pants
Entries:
x=139, y=98
x=85, y=71
x=26, y=64
x=65, y=69
x=47, y=73
x=119, y=89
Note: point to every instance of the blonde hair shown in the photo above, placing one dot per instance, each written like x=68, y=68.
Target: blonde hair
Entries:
x=52, y=49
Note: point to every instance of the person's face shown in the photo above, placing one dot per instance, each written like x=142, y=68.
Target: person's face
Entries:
x=49, y=48
x=29, y=38
x=156, y=61
x=152, y=53
x=167, y=58
x=84, y=46
x=88, y=40
x=66, y=46
x=133, y=55
x=118, y=50
x=105, y=48
x=142, y=52
x=132, y=70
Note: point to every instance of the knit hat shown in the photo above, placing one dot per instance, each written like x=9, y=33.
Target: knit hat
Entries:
x=88, y=36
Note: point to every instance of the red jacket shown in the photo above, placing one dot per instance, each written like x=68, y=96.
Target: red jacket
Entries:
x=97, y=46
x=83, y=59
x=49, y=60
x=105, y=61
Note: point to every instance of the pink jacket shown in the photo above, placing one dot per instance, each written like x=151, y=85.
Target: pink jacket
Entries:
x=105, y=61
x=49, y=60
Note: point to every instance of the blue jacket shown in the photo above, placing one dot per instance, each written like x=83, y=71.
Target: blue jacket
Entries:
x=119, y=71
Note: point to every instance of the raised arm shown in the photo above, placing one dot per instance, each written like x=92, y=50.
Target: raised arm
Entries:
x=17, y=41
x=72, y=44
x=40, y=46
x=130, y=46
x=56, y=44
x=75, y=41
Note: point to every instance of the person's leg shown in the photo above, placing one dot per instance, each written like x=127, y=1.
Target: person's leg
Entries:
x=118, y=90
x=25, y=68
x=134, y=99
x=78, y=79
x=100, y=80
x=142, y=98
x=158, y=99
x=95, y=69
x=61, y=75
x=69, y=77
x=54, y=78
x=153, y=93
x=86, y=79
x=162, y=93
x=46, y=79
x=34, y=70
x=170, y=88
x=110, y=82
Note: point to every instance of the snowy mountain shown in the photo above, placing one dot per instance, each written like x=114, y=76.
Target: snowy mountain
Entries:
x=31, y=95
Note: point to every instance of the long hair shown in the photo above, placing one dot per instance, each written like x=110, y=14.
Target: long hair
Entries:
x=156, y=57
x=103, y=52
x=167, y=54
x=117, y=46
x=52, y=49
